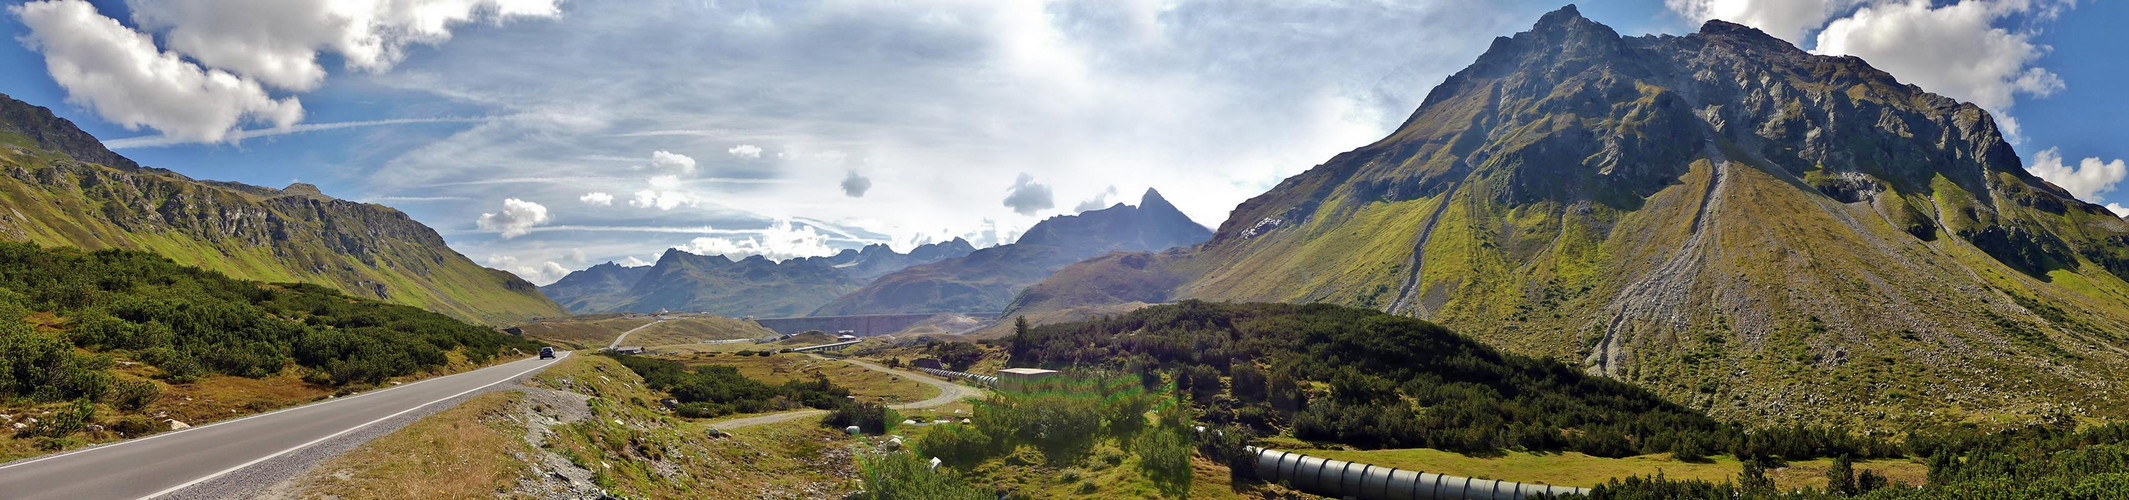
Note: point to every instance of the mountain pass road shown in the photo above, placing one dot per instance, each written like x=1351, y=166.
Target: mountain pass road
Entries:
x=164, y=464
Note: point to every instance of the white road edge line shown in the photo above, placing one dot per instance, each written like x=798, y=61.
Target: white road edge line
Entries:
x=230, y=421
x=277, y=454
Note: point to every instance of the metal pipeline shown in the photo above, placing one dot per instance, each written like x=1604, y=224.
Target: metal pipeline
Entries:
x=1342, y=479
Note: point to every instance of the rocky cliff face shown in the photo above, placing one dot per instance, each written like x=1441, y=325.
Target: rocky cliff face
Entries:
x=60, y=187
x=1759, y=231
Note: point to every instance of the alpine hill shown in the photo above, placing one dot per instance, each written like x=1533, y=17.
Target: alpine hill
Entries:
x=1737, y=224
x=60, y=187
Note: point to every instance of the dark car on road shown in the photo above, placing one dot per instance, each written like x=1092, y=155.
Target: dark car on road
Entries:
x=547, y=353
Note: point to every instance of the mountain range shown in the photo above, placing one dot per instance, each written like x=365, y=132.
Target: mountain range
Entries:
x=988, y=279
x=951, y=276
x=1761, y=232
x=61, y=187
x=752, y=286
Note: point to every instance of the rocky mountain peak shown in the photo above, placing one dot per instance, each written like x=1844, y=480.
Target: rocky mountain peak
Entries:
x=1152, y=200
x=49, y=132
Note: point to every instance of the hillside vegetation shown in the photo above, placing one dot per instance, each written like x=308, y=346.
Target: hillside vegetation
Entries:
x=62, y=188
x=1368, y=379
x=114, y=329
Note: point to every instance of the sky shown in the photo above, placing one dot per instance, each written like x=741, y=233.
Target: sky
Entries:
x=543, y=136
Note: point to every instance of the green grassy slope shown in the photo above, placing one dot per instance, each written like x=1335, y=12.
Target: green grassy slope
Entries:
x=250, y=232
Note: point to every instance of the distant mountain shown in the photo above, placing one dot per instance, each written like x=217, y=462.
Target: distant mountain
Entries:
x=753, y=286
x=59, y=186
x=1735, y=223
x=987, y=279
x=877, y=259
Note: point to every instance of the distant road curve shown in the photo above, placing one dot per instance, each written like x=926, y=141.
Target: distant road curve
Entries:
x=624, y=335
x=165, y=464
x=949, y=392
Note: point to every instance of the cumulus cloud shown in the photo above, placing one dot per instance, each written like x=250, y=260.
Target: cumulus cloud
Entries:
x=780, y=241
x=1956, y=50
x=1789, y=20
x=121, y=75
x=632, y=261
x=516, y=218
x=665, y=193
x=539, y=273
x=2089, y=177
x=596, y=198
x=1225, y=97
x=2118, y=209
x=664, y=161
x=278, y=41
x=1098, y=202
x=855, y=185
x=745, y=151
x=1027, y=197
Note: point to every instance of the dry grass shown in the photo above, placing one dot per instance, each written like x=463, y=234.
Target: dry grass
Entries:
x=463, y=452
x=864, y=383
x=691, y=330
x=583, y=332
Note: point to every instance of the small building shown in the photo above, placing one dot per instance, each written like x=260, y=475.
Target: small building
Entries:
x=1018, y=378
x=845, y=338
x=629, y=349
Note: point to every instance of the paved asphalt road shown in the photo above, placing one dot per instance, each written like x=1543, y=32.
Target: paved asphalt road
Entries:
x=948, y=392
x=624, y=335
x=164, y=463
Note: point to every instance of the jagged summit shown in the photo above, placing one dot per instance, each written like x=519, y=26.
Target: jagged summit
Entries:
x=1152, y=200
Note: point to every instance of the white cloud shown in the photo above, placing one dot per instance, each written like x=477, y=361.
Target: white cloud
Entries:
x=855, y=185
x=663, y=161
x=1098, y=202
x=632, y=261
x=780, y=241
x=745, y=151
x=665, y=193
x=577, y=255
x=120, y=74
x=1222, y=98
x=2088, y=178
x=1955, y=50
x=2118, y=209
x=278, y=41
x=596, y=198
x=516, y=218
x=1027, y=197
x=540, y=273
x=1789, y=20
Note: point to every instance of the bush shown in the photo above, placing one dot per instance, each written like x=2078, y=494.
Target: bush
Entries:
x=870, y=418
x=64, y=422
x=958, y=445
x=902, y=475
x=1164, y=458
x=133, y=396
